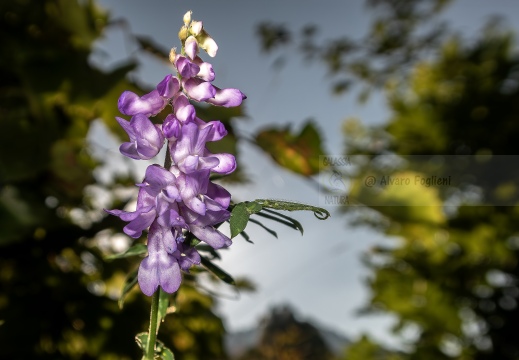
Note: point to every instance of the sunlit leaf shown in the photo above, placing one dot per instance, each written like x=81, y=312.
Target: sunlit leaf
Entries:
x=129, y=283
x=296, y=152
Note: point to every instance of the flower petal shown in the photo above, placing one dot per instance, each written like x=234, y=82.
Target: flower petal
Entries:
x=148, y=276
x=168, y=87
x=191, y=47
x=227, y=97
x=130, y=103
x=227, y=163
x=211, y=236
x=198, y=89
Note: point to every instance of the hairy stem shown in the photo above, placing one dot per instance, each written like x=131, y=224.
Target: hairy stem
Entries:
x=152, y=335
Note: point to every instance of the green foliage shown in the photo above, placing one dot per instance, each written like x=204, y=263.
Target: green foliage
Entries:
x=452, y=266
x=241, y=213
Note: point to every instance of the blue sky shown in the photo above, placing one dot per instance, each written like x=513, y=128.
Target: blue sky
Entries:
x=319, y=273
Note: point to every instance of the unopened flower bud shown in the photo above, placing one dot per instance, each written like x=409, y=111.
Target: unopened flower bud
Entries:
x=207, y=43
x=183, y=33
x=187, y=17
x=173, y=55
x=196, y=27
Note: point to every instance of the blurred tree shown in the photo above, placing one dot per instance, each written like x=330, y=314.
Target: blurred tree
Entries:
x=283, y=337
x=450, y=274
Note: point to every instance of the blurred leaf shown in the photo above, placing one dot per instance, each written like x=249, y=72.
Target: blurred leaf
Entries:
x=137, y=249
x=163, y=306
x=129, y=283
x=272, y=35
x=272, y=232
x=297, y=152
x=320, y=213
x=216, y=270
x=147, y=44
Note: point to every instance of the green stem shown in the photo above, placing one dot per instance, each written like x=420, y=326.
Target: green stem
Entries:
x=152, y=335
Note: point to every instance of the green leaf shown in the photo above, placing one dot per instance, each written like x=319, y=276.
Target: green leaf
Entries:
x=216, y=270
x=163, y=306
x=320, y=213
x=129, y=283
x=209, y=249
x=239, y=219
x=137, y=249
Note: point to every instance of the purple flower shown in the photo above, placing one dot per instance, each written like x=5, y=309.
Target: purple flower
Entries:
x=191, y=46
x=186, y=68
x=168, y=87
x=140, y=219
x=198, y=89
x=160, y=183
x=189, y=152
x=217, y=130
x=187, y=256
x=171, y=127
x=150, y=104
x=206, y=72
x=184, y=111
x=227, y=97
x=159, y=267
x=202, y=226
x=146, y=139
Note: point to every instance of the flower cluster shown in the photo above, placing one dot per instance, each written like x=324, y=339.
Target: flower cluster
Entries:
x=178, y=199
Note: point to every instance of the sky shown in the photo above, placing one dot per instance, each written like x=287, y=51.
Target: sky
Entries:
x=321, y=273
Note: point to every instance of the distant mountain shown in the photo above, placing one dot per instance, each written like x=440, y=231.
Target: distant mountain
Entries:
x=281, y=332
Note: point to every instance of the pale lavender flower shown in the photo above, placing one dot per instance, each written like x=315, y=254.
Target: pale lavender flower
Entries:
x=150, y=104
x=159, y=267
x=146, y=139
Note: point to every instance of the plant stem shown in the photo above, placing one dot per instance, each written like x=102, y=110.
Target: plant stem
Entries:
x=152, y=335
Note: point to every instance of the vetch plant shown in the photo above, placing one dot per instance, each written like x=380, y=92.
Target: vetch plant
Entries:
x=178, y=204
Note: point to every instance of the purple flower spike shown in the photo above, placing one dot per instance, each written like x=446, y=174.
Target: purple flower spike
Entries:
x=198, y=89
x=227, y=97
x=159, y=267
x=146, y=139
x=168, y=87
x=150, y=104
x=186, y=68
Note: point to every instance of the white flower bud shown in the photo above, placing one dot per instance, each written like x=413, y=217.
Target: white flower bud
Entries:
x=206, y=42
x=173, y=55
x=183, y=34
x=196, y=27
x=187, y=17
